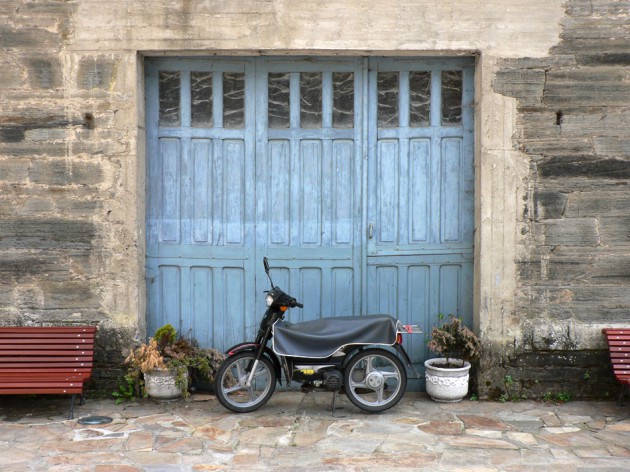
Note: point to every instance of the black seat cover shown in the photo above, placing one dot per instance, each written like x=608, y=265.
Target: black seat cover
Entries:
x=321, y=338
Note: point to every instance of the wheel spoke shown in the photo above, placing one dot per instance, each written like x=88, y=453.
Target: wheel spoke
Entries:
x=239, y=371
x=368, y=365
x=260, y=372
x=360, y=385
x=379, y=394
x=252, y=392
x=236, y=388
x=391, y=375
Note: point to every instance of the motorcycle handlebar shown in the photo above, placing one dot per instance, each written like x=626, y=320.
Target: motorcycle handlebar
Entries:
x=295, y=303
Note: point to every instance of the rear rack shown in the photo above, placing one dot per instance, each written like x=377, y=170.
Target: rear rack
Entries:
x=409, y=329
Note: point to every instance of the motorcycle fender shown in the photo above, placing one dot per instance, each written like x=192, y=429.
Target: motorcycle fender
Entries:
x=243, y=347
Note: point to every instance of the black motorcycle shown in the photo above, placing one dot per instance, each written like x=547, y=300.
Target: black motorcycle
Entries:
x=336, y=354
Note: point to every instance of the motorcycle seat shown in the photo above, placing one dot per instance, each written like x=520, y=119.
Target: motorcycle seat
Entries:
x=321, y=338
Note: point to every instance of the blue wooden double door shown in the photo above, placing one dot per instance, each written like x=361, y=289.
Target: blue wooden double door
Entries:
x=354, y=176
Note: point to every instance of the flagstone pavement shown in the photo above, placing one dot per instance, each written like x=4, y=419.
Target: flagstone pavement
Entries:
x=297, y=432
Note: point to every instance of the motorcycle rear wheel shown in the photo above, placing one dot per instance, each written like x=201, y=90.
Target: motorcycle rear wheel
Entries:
x=230, y=385
x=375, y=380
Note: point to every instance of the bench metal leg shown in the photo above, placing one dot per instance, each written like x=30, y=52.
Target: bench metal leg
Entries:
x=82, y=400
x=71, y=414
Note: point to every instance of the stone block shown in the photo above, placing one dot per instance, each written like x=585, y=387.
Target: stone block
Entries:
x=611, y=269
x=566, y=147
x=15, y=126
x=51, y=7
x=45, y=134
x=598, y=203
x=568, y=232
x=36, y=206
x=587, y=86
x=549, y=204
x=12, y=134
x=585, y=166
x=607, y=59
x=69, y=295
x=77, y=207
x=44, y=72
x=46, y=233
x=32, y=149
x=96, y=72
x=15, y=266
x=10, y=75
x=65, y=172
x=14, y=170
x=524, y=84
x=555, y=270
x=27, y=37
x=613, y=146
x=615, y=231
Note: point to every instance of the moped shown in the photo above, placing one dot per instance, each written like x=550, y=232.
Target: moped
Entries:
x=351, y=354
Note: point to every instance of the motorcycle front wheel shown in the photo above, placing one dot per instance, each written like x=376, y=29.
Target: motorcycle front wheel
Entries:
x=231, y=386
x=375, y=380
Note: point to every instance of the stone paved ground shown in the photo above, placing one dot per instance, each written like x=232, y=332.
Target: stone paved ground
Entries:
x=296, y=432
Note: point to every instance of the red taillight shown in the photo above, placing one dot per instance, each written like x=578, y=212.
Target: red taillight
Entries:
x=399, y=338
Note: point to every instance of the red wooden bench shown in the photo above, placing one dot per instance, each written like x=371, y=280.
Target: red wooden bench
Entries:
x=46, y=360
x=619, y=346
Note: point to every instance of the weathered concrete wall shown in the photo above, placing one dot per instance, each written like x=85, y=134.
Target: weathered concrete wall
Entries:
x=69, y=215
x=573, y=253
x=550, y=198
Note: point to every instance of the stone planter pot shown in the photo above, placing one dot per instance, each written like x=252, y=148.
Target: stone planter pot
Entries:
x=446, y=385
x=162, y=384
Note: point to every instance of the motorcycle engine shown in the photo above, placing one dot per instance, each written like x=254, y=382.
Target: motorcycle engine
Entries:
x=333, y=379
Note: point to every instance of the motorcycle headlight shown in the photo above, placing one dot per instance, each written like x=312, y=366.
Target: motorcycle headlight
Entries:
x=269, y=300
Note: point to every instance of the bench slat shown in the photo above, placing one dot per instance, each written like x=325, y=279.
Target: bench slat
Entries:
x=45, y=339
x=46, y=329
x=51, y=364
x=24, y=333
x=42, y=390
x=75, y=359
x=44, y=376
x=44, y=352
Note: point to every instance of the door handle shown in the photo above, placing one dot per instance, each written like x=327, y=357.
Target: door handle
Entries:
x=370, y=230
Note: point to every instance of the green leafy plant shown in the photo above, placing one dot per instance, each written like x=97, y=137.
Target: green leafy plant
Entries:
x=126, y=389
x=165, y=336
x=561, y=397
x=168, y=351
x=453, y=340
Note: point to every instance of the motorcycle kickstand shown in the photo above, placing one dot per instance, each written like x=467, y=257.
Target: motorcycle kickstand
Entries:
x=333, y=407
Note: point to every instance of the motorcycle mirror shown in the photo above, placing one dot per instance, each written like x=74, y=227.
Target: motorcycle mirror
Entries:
x=266, y=264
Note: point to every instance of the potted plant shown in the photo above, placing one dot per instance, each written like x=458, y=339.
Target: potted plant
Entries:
x=447, y=377
x=164, y=367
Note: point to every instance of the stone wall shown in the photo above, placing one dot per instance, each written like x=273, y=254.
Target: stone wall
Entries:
x=68, y=232
x=552, y=146
x=573, y=258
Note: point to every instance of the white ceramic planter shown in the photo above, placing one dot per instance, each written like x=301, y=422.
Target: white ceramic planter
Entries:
x=446, y=385
x=162, y=384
